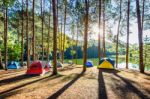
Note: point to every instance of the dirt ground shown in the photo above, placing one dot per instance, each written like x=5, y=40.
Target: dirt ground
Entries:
x=72, y=83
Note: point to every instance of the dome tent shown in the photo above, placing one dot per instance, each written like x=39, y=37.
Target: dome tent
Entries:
x=45, y=63
x=106, y=63
x=89, y=64
x=37, y=68
x=48, y=64
x=59, y=64
x=13, y=65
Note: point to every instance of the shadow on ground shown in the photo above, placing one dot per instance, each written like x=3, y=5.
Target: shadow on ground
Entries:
x=15, y=90
x=14, y=79
x=148, y=74
x=121, y=90
x=69, y=67
x=102, y=88
x=62, y=90
x=10, y=73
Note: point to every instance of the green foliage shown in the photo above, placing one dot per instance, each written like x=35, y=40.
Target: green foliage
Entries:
x=68, y=42
x=14, y=51
x=14, y=48
x=73, y=52
x=8, y=3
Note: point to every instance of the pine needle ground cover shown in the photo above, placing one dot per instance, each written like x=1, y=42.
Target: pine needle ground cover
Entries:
x=71, y=83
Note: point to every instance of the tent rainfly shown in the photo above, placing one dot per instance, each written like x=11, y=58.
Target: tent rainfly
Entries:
x=37, y=68
x=13, y=65
x=89, y=64
x=106, y=63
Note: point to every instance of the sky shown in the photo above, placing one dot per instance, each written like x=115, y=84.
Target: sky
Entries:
x=133, y=29
x=133, y=39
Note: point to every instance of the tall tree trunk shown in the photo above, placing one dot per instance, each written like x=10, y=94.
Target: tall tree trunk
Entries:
x=104, y=48
x=1, y=65
x=140, y=37
x=76, y=56
x=22, y=34
x=49, y=23
x=118, y=32
x=143, y=12
x=73, y=32
x=127, y=48
x=5, y=37
x=18, y=31
x=99, y=41
x=86, y=34
x=77, y=44
x=54, y=38
x=42, y=14
x=33, y=31
x=145, y=52
x=27, y=35
x=61, y=38
x=64, y=32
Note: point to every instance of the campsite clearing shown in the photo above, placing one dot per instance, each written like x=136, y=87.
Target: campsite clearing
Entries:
x=72, y=82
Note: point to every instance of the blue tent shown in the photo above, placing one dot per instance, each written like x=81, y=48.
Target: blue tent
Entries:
x=13, y=65
x=89, y=64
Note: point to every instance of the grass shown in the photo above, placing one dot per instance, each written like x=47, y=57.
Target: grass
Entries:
x=80, y=61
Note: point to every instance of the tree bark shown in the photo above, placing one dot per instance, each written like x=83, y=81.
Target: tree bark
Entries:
x=143, y=13
x=27, y=34
x=1, y=64
x=54, y=38
x=18, y=32
x=104, y=47
x=5, y=36
x=73, y=32
x=77, y=43
x=61, y=38
x=99, y=41
x=64, y=32
x=49, y=23
x=42, y=17
x=22, y=34
x=33, y=31
x=145, y=52
x=118, y=32
x=140, y=37
x=86, y=34
x=127, y=47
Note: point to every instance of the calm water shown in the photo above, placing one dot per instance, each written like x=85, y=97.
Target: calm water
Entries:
x=133, y=63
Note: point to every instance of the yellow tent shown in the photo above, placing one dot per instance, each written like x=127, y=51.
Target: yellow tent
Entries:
x=106, y=63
